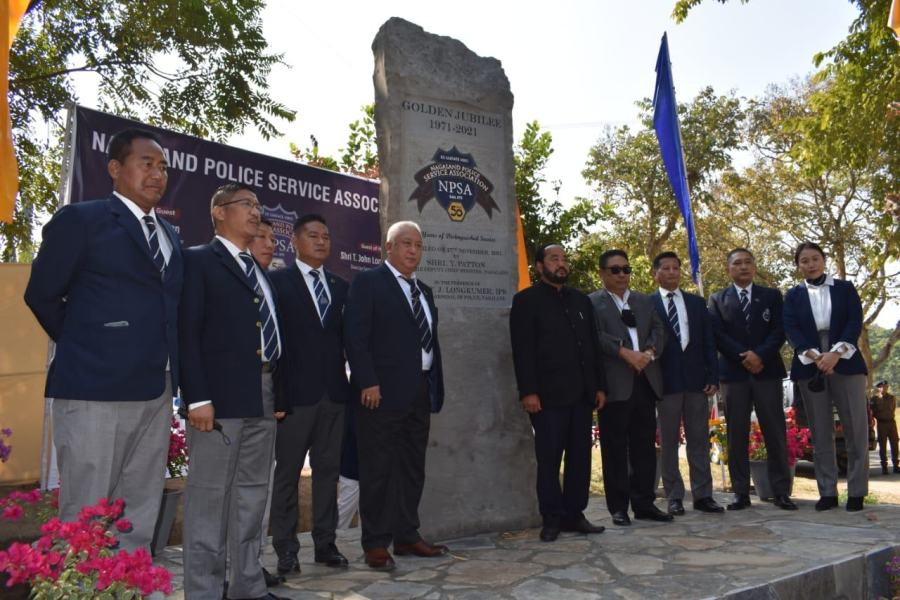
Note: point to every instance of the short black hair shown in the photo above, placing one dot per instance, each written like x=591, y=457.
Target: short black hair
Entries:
x=265, y=221
x=881, y=383
x=807, y=246
x=663, y=255
x=120, y=144
x=541, y=252
x=604, y=258
x=735, y=251
x=309, y=218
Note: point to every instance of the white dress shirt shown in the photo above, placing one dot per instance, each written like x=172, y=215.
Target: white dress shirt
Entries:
x=749, y=289
x=165, y=244
x=820, y=303
x=622, y=304
x=427, y=357
x=684, y=329
x=310, y=282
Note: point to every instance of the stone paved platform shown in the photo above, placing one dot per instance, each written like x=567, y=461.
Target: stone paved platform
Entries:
x=761, y=553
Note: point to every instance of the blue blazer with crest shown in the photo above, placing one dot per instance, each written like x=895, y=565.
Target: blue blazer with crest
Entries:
x=695, y=367
x=765, y=335
x=312, y=365
x=218, y=329
x=97, y=293
x=846, y=326
x=382, y=340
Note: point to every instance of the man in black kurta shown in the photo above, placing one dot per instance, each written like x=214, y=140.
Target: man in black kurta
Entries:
x=560, y=379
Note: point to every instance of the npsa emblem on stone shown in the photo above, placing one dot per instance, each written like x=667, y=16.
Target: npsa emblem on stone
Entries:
x=453, y=180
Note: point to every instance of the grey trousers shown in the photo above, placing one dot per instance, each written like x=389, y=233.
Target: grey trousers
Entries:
x=319, y=430
x=847, y=393
x=114, y=450
x=693, y=407
x=765, y=395
x=225, y=498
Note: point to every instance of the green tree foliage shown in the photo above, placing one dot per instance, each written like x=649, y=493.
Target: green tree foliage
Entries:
x=881, y=343
x=359, y=157
x=545, y=220
x=195, y=67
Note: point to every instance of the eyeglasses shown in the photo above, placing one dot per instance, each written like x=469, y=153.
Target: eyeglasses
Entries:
x=615, y=270
x=248, y=204
x=628, y=316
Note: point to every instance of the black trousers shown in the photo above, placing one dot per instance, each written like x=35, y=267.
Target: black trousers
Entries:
x=627, y=434
x=392, y=446
x=318, y=430
x=558, y=430
x=765, y=396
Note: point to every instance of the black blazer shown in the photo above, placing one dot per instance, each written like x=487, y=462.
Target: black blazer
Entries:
x=382, y=340
x=846, y=326
x=312, y=363
x=554, y=345
x=765, y=335
x=97, y=293
x=695, y=367
x=219, y=334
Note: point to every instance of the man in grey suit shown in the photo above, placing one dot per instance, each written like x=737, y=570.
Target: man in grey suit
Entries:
x=631, y=336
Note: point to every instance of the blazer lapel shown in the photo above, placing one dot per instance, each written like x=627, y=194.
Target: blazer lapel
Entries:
x=130, y=224
x=614, y=317
x=174, y=242
x=337, y=295
x=398, y=293
x=229, y=262
x=306, y=300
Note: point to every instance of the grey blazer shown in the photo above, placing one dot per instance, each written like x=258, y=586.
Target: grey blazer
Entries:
x=613, y=334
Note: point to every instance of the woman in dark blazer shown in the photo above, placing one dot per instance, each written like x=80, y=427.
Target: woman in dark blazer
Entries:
x=822, y=321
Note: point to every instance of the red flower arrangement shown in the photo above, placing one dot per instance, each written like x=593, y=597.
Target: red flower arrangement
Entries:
x=78, y=559
x=38, y=504
x=797, y=439
x=178, y=450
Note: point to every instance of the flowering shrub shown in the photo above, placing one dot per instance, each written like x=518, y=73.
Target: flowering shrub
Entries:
x=36, y=505
x=893, y=570
x=78, y=559
x=178, y=450
x=718, y=441
x=797, y=439
x=5, y=450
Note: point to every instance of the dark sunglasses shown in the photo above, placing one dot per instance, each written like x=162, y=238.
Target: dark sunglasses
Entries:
x=627, y=315
x=615, y=270
x=817, y=383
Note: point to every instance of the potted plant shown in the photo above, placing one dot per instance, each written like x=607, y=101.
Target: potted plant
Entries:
x=176, y=465
x=797, y=443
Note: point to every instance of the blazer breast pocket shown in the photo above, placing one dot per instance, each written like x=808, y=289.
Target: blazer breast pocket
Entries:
x=117, y=324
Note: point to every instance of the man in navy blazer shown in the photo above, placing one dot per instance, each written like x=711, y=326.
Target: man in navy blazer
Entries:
x=391, y=332
x=313, y=381
x=230, y=345
x=749, y=337
x=690, y=376
x=105, y=286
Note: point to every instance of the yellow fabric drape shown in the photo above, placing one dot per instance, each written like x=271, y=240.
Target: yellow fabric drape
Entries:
x=524, y=276
x=11, y=11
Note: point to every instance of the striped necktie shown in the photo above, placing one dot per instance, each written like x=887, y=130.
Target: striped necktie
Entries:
x=672, y=315
x=322, y=301
x=269, y=333
x=153, y=241
x=745, y=308
x=419, y=314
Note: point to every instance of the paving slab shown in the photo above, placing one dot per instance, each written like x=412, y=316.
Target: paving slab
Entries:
x=761, y=553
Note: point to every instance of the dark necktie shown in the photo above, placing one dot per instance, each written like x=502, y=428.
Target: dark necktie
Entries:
x=672, y=314
x=745, y=308
x=153, y=241
x=270, y=335
x=419, y=314
x=321, y=297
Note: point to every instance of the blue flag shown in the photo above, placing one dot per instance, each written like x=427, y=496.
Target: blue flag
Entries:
x=665, y=122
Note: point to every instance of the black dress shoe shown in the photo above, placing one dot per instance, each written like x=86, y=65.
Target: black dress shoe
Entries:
x=549, y=534
x=582, y=525
x=653, y=514
x=784, y=503
x=620, y=518
x=331, y=557
x=708, y=505
x=741, y=501
x=826, y=502
x=288, y=563
x=854, y=503
x=272, y=580
x=676, y=507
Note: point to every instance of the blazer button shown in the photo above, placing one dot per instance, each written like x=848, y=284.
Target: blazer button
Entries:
x=256, y=300
x=259, y=323
x=259, y=352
